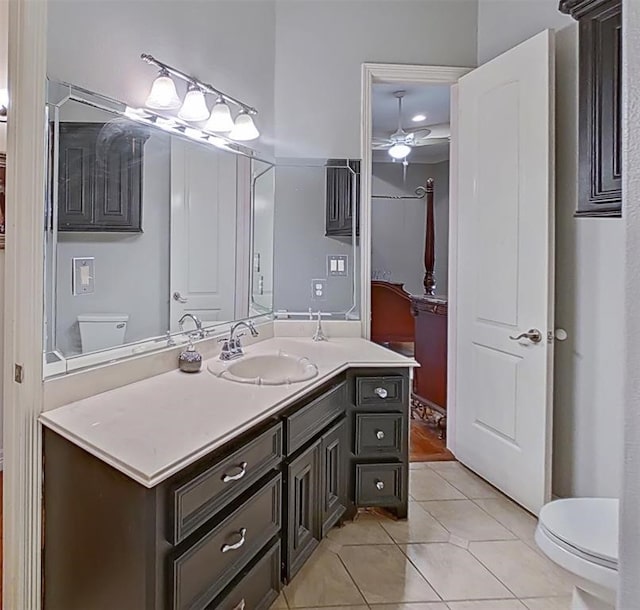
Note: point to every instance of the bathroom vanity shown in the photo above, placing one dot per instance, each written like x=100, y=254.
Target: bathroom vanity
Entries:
x=193, y=492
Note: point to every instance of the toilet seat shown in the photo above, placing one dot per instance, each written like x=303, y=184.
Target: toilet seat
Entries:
x=581, y=535
x=585, y=526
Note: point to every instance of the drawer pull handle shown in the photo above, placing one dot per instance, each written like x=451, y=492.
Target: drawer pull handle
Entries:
x=379, y=485
x=241, y=605
x=381, y=392
x=227, y=478
x=235, y=546
x=379, y=434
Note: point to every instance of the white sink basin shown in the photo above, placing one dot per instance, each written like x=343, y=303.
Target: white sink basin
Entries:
x=266, y=369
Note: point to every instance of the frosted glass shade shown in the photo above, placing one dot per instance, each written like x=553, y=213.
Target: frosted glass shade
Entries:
x=163, y=94
x=194, y=108
x=244, y=128
x=220, y=119
x=399, y=151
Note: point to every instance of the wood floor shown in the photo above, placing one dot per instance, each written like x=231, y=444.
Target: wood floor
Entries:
x=425, y=444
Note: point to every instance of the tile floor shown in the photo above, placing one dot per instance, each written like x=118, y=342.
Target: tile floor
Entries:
x=464, y=547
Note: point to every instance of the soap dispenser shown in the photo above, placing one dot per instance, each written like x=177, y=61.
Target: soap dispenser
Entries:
x=190, y=360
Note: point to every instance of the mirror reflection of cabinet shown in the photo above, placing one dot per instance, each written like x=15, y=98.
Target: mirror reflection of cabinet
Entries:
x=600, y=106
x=100, y=178
x=342, y=197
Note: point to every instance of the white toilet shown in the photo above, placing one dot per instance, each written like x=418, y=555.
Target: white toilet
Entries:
x=581, y=535
x=102, y=330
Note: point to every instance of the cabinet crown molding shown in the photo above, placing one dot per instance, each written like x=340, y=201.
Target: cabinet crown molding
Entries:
x=580, y=8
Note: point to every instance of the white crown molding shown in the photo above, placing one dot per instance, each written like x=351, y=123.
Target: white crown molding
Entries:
x=373, y=73
x=26, y=154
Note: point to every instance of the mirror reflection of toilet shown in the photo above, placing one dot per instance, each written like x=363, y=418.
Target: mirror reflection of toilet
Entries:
x=581, y=535
x=102, y=330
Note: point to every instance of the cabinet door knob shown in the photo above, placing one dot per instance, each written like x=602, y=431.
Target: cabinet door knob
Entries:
x=381, y=392
x=379, y=435
x=236, y=545
x=227, y=478
x=379, y=485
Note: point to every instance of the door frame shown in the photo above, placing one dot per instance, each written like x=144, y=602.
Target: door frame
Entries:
x=375, y=73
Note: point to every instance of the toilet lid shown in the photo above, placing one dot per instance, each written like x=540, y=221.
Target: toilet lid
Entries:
x=587, y=526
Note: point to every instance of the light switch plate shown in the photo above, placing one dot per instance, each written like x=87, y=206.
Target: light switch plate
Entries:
x=337, y=265
x=83, y=277
x=318, y=289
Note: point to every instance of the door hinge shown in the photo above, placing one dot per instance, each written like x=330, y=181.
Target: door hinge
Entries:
x=18, y=373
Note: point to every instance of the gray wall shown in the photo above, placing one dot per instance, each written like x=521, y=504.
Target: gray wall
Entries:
x=131, y=271
x=588, y=401
x=228, y=43
x=398, y=226
x=321, y=45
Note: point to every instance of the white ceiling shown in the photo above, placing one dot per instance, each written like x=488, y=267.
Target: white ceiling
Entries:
x=432, y=100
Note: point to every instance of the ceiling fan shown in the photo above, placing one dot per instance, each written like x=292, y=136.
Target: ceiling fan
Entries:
x=400, y=143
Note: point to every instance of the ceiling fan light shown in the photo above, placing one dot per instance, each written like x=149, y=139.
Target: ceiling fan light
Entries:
x=399, y=151
x=194, y=107
x=220, y=119
x=163, y=94
x=244, y=129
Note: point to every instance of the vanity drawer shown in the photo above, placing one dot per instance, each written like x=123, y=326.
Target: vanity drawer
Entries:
x=378, y=434
x=379, y=484
x=380, y=391
x=304, y=424
x=203, y=570
x=257, y=588
x=197, y=499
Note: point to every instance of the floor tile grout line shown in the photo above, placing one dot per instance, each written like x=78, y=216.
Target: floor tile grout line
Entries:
x=353, y=580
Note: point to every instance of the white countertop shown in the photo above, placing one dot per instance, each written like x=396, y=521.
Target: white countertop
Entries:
x=151, y=429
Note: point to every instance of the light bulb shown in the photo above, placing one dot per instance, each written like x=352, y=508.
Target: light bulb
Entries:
x=244, y=129
x=163, y=94
x=220, y=119
x=419, y=118
x=194, y=108
x=399, y=151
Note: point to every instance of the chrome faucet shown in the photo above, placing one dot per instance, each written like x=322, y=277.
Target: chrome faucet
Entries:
x=231, y=347
x=199, y=333
x=319, y=334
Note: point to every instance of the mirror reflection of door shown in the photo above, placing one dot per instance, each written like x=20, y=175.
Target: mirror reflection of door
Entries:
x=203, y=233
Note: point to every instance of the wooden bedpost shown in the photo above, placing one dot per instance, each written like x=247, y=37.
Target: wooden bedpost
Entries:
x=429, y=247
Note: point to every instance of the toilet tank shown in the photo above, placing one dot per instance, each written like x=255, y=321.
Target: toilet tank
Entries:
x=102, y=330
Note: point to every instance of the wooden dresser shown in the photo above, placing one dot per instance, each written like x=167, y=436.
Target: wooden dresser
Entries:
x=429, y=398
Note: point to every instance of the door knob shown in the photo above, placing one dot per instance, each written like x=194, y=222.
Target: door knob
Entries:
x=178, y=297
x=533, y=334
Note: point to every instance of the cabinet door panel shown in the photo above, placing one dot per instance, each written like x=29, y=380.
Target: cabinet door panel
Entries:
x=303, y=516
x=333, y=482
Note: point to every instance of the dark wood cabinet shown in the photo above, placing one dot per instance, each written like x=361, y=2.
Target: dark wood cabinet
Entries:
x=100, y=171
x=600, y=105
x=342, y=197
x=333, y=476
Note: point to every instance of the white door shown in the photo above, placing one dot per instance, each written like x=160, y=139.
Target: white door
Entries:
x=505, y=262
x=203, y=233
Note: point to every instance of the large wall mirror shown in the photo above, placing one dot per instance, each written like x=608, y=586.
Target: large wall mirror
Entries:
x=146, y=224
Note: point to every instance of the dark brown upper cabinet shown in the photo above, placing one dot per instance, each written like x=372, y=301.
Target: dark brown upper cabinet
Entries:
x=600, y=106
x=100, y=177
x=342, y=197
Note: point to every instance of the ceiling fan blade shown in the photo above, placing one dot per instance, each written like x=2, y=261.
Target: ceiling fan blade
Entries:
x=431, y=141
x=420, y=132
x=380, y=144
x=441, y=130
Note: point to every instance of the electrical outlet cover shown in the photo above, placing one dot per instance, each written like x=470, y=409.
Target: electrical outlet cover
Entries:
x=318, y=289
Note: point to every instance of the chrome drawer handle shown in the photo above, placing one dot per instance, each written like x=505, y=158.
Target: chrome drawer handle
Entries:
x=379, y=435
x=241, y=605
x=379, y=485
x=236, y=545
x=227, y=478
x=381, y=392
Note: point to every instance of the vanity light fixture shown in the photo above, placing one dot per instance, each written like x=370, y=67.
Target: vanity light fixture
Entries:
x=194, y=107
x=220, y=119
x=163, y=94
x=244, y=129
